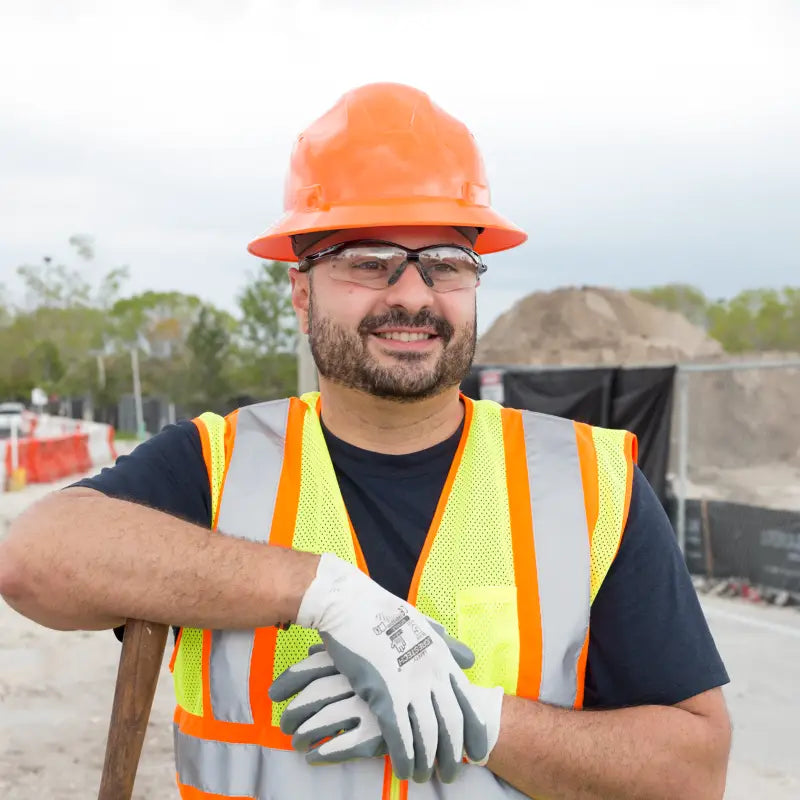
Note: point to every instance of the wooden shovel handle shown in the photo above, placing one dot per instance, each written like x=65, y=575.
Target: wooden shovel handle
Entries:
x=139, y=666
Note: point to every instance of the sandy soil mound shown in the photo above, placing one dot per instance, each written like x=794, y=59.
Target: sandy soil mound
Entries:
x=745, y=417
x=591, y=325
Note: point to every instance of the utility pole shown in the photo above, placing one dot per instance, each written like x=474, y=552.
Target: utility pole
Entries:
x=101, y=370
x=307, y=380
x=137, y=392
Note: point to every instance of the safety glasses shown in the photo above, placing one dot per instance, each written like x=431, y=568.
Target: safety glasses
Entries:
x=376, y=264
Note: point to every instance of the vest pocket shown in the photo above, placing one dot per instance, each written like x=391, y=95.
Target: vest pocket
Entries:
x=487, y=622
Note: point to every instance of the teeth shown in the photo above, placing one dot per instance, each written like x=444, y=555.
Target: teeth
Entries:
x=405, y=337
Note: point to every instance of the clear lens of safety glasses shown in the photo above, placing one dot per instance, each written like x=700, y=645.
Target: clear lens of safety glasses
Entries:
x=444, y=268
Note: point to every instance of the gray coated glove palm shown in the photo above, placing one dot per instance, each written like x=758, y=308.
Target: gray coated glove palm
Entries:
x=328, y=707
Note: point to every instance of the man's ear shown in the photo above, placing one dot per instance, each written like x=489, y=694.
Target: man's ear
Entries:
x=300, y=296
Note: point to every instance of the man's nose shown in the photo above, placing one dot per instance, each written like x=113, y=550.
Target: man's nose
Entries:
x=409, y=291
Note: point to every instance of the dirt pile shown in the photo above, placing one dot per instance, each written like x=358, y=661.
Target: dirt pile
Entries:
x=737, y=418
x=740, y=418
x=591, y=326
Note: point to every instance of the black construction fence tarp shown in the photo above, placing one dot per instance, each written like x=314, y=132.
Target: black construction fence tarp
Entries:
x=730, y=540
x=636, y=399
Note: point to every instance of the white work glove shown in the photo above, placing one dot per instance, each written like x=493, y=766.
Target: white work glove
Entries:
x=489, y=701
x=398, y=663
x=328, y=707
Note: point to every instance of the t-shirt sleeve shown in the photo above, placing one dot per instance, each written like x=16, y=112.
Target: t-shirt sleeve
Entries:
x=649, y=643
x=166, y=472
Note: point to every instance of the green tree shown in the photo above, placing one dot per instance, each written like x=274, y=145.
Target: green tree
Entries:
x=49, y=339
x=758, y=319
x=6, y=309
x=680, y=297
x=267, y=364
x=162, y=319
x=158, y=323
x=73, y=333
x=210, y=345
x=52, y=284
x=268, y=323
x=730, y=324
x=753, y=320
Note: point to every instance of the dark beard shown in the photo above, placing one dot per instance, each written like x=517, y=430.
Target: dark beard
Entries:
x=342, y=356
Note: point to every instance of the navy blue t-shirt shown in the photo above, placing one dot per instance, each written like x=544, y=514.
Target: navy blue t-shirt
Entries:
x=648, y=642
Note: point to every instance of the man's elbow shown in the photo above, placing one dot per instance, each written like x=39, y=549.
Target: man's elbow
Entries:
x=14, y=587
x=24, y=581
x=19, y=590
x=18, y=586
x=722, y=757
x=715, y=767
x=702, y=758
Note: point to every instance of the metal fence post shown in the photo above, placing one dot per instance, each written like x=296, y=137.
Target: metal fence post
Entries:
x=683, y=454
x=14, y=446
x=137, y=393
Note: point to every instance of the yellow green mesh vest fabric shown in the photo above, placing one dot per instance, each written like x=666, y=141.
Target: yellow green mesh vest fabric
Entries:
x=186, y=662
x=529, y=522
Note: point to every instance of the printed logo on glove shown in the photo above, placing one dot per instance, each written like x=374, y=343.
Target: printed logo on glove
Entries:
x=398, y=629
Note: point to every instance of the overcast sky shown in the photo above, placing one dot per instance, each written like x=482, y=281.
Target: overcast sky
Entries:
x=638, y=142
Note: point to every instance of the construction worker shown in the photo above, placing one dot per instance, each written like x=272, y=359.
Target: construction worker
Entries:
x=495, y=587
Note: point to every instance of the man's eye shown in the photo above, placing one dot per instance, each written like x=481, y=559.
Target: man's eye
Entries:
x=368, y=265
x=442, y=267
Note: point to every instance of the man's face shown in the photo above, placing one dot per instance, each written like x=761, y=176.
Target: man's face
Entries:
x=369, y=339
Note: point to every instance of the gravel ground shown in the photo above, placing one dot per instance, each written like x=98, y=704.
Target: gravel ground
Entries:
x=56, y=691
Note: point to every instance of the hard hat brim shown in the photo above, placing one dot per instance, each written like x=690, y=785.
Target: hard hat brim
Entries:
x=498, y=234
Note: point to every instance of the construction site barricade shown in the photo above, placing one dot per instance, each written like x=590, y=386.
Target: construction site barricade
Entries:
x=43, y=460
x=5, y=455
x=26, y=460
x=101, y=443
x=60, y=447
x=81, y=448
x=46, y=460
x=14, y=476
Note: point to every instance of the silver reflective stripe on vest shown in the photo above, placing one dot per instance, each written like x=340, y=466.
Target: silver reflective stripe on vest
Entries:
x=251, y=485
x=246, y=510
x=561, y=541
x=249, y=770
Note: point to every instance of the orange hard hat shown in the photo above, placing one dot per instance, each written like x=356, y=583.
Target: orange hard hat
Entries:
x=385, y=155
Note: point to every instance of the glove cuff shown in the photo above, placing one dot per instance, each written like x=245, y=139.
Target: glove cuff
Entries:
x=331, y=571
x=492, y=706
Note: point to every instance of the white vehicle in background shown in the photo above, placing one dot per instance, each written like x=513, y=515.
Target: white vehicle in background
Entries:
x=15, y=414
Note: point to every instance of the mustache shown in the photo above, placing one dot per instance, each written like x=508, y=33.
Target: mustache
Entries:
x=423, y=319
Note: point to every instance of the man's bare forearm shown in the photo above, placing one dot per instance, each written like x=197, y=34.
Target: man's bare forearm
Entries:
x=81, y=560
x=643, y=753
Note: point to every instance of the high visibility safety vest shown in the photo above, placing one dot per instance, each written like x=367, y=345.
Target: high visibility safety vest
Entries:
x=528, y=524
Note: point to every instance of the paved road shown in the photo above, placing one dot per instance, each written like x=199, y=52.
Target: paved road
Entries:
x=761, y=648
x=56, y=690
